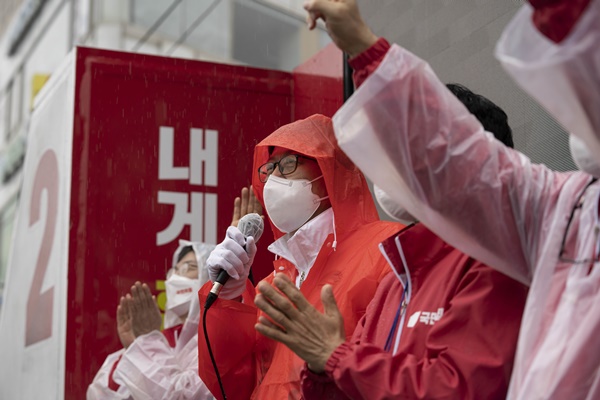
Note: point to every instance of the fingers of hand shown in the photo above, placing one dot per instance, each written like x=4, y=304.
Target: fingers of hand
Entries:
x=250, y=248
x=135, y=296
x=244, y=205
x=319, y=9
x=266, y=322
x=236, y=211
x=272, y=311
x=128, y=305
x=283, y=283
x=266, y=328
x=278, y=307
x=147, y=296
x=230, y=261
x=328, y=299
x=254, y=203
x=120, y=315
x=234, y=234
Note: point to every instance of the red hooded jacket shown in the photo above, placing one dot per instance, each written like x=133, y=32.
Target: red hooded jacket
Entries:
x=458, y=332
x=252, y=366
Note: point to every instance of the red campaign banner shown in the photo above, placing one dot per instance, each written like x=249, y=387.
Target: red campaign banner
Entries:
x=161, y=147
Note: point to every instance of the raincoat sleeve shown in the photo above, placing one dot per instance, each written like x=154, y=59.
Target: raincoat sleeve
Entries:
x=366, y=62
x=563, y=73
x=322, y=386
x=232, y=337
x=469, y=353
x=101, y=388
x=151, y=369
x=409, y=134
x=556, y=18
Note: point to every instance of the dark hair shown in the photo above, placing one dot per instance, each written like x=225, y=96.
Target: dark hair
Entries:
x=492, y=117
x=184, y=252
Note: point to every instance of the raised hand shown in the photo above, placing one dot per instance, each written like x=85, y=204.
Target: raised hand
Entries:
x=235, y=255
x=124, y=327
x=344, y=24
x=247, y=203
x=297, y=324
x=145, y=315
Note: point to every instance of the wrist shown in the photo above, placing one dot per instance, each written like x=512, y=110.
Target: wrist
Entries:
x=362, y=44
x=316, y=369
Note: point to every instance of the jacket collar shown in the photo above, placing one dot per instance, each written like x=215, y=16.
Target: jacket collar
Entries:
x=418, y=246
x=302, y=248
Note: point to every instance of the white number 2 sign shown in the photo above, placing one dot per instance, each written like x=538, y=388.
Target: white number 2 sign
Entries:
x=40, y=304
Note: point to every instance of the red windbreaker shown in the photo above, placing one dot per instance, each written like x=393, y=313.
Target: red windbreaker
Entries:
x=458, y=331
x=252, y=366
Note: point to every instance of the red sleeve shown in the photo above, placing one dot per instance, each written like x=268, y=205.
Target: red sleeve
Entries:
x=322, y=386
x=366, y=62
x=230, y=326
x=556, y=18
x=470, y=350
x=112, y=385
x=319, y=386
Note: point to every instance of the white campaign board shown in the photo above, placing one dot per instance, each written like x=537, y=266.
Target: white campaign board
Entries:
x=33, y=318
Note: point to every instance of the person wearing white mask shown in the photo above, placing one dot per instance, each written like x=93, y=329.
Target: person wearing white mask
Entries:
x=441, y=324
x=415, y=141
x=155, y=364
x=326, y=230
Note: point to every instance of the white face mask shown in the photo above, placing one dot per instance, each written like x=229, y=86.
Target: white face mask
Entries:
x=180, y=291
x=583, y=157
x=290, y=202
x=392, y=208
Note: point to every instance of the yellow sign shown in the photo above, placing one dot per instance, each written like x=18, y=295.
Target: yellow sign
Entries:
x=37, y=83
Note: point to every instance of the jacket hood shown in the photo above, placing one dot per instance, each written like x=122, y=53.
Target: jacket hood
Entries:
x=347, y=188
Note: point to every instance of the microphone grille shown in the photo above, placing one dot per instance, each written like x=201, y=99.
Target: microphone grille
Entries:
x=251, y=225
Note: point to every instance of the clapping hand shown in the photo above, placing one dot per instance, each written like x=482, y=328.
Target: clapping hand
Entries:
x=247, y=203
x=312, y=335
x=124, y=327
x=145, y=315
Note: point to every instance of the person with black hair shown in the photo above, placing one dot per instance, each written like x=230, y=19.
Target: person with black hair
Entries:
x=492, y=117
x=411, y=136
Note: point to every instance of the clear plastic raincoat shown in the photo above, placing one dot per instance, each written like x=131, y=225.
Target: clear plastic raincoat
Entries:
x=417, y=142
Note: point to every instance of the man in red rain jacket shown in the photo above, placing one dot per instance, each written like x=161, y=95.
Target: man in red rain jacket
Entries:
x=327, y=231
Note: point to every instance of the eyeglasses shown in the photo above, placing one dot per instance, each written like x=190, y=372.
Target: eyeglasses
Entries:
x=577, y=206
x=286, y=166
x=184, y=267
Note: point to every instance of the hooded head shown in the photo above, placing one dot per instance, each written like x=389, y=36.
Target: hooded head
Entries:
x=346, y=187
x=184, y=279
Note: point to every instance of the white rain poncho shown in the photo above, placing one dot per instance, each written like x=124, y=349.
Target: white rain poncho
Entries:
x=565, y=77
x=419, y=144
x=150, y=368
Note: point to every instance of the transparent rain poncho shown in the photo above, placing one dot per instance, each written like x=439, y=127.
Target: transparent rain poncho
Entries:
x=419, y=144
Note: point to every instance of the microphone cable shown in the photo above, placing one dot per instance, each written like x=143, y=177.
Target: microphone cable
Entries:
x=250, y=225
x=212, y=357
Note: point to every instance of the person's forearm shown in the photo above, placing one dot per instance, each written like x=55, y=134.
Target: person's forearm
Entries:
x=442, y=167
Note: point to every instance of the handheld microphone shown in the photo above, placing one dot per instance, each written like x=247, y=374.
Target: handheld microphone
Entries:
x=250, y=225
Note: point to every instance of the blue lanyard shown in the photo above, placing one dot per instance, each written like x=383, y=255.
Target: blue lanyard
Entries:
x=388, y=342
